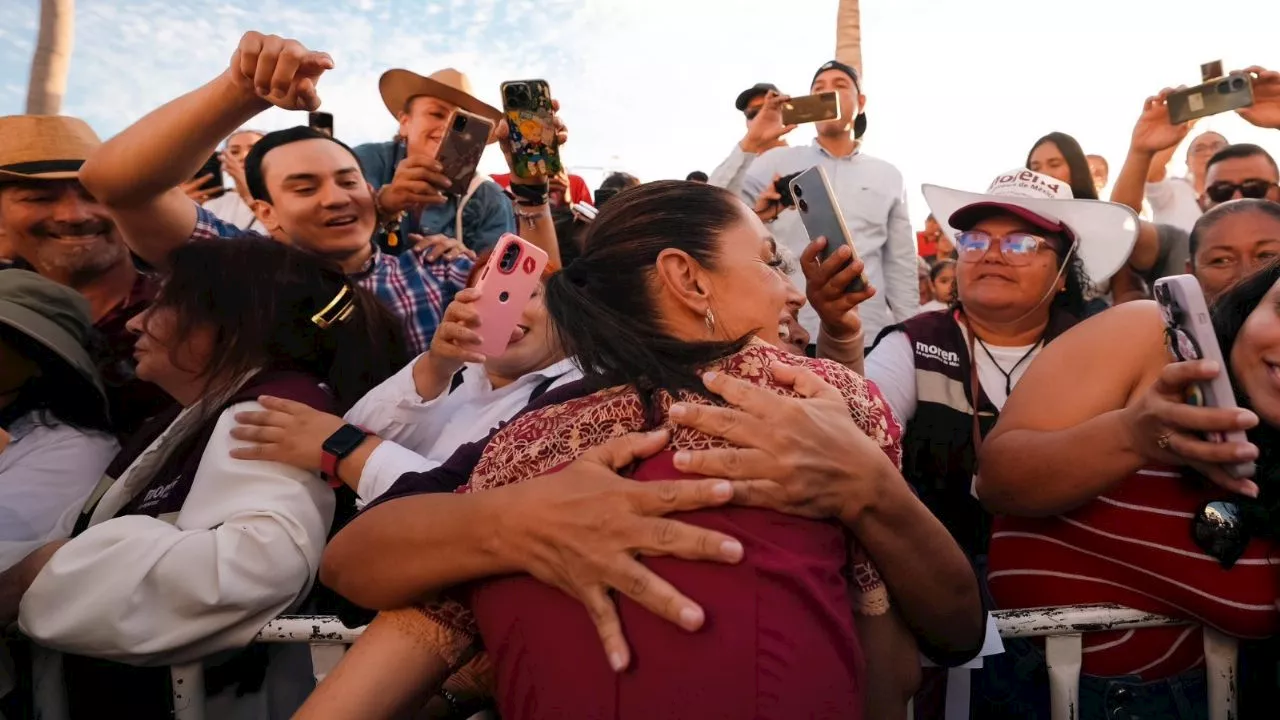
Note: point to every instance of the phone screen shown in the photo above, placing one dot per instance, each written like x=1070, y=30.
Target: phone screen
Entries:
x=321, y=121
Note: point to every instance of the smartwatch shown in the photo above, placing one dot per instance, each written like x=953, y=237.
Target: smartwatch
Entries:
x=339, y=445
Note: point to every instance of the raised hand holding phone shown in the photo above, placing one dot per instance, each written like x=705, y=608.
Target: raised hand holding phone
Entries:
x=1190, y=416
x=821, y=216
x=506, y=285
x=766, y=129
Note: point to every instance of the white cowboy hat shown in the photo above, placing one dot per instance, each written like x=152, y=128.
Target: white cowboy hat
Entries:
x=1103, y=232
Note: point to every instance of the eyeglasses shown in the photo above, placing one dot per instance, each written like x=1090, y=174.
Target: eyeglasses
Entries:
x=1219, y=530
x=1017, y=248
x=1255, y=189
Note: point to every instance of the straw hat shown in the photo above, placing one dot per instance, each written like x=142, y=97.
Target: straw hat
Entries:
x=44, y=147
x=1104, y=233
x=53, y=315
x=399, y=86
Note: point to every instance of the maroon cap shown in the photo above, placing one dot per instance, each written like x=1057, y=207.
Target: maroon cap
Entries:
x=968, y=216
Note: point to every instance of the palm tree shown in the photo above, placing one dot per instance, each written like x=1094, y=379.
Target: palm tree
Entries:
x=849, y=34
x=52, y=57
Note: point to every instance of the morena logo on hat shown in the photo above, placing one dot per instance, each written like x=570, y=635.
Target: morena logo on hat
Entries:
x=1028, y=184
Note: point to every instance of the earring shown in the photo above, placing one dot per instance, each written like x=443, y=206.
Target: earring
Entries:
x=711, y=321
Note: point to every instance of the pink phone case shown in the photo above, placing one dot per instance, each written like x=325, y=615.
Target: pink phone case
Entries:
x=506, y=284
x=1190, y=336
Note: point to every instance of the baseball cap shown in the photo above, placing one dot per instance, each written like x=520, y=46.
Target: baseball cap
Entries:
x=860, y=122
x=752, y=93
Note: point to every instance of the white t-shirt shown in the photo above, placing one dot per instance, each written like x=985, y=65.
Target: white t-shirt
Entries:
x=891, y=366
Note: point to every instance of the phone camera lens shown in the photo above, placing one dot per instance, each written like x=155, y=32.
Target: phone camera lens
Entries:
x=509, y=257
x=1224, y=87
x=1237, y=84
x=804, y=206
x=504, y=296
x=459, y=123
x=795, y=190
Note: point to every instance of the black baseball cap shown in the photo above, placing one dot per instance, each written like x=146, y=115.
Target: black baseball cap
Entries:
x=752, y=93
x=860, y=122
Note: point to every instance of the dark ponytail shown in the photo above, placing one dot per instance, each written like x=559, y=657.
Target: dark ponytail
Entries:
x=602, y=304
x=259, y=298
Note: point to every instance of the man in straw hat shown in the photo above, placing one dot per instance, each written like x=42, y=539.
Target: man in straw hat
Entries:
x=307, y=187
x=60, y=231
x=424, y=107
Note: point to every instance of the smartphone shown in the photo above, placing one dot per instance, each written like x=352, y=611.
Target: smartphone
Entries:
x=811, y=108
x=321, y=121
x=531, y=121
x=212, y=166
x=821, y=216
x=506, y=284
x=1218, y=95
x=783, y=187
x=1190, y=336
x=461, y=148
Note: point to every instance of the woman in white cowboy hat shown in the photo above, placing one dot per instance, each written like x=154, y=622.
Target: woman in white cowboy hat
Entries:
x=55, y=439
x=1025, y=251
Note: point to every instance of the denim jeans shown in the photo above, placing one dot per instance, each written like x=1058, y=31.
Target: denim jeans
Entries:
x=1015, y=685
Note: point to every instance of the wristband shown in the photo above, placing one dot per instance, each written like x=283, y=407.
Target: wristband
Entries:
x=531, y=194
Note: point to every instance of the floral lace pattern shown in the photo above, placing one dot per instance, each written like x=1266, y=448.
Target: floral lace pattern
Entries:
x=550, y=437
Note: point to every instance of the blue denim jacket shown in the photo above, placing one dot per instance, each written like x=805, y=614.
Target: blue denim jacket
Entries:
x=487, y=216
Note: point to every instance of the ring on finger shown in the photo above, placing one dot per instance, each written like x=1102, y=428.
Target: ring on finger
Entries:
x=1163, y=441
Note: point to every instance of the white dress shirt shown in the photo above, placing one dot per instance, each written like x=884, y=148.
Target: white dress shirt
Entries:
x=244, y=548
x=873, y=200
x=419, y=435
x=46, y=470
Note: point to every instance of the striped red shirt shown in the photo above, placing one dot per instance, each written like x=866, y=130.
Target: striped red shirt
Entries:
x=1133, y=547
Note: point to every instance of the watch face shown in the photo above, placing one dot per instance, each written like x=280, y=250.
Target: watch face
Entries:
x=344, y=441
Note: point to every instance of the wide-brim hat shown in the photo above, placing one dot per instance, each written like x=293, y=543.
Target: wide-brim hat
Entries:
x=53, y=315
x=399, y=86
x=1104, y=233
x=44, y=147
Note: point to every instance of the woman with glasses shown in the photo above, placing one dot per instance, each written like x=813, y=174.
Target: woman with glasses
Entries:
x=1024, y=252
x=1139, y=508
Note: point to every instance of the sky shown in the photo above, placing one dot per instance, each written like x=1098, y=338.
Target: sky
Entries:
x=957, y=92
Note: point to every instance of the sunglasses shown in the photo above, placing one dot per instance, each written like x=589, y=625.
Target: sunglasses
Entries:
x=1221, y=192
x=1017, y=248
x=1218, y=529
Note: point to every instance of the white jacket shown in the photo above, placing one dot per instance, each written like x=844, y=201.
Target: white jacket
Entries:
x=244, y=548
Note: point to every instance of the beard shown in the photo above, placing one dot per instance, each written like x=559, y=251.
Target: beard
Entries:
x=79, y=264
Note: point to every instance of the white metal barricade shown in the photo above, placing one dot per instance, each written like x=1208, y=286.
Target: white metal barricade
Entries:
x=1062, y=628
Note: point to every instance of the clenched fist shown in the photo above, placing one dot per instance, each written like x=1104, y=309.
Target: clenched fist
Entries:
x=281, y=71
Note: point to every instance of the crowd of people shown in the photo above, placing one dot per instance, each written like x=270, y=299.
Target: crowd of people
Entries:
x=705, y=478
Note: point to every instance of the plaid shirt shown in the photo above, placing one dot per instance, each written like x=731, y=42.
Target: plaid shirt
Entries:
x=416, y=290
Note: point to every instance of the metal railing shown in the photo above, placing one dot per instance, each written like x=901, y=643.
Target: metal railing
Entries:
x=1062, y=628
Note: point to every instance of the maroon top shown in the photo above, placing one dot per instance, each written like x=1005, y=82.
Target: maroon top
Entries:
x=779, y=642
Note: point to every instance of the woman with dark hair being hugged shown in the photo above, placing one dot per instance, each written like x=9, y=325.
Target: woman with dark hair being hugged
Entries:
x=675, y=292
x=184, y=552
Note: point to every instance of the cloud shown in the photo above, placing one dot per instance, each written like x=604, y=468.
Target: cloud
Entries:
x=956, y=91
